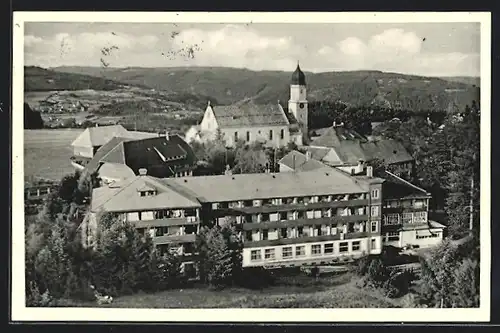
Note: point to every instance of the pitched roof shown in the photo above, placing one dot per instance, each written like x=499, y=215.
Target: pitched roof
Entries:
x=352, y=147
x=124, y=196
x=318, y=153
x=247, y=113
x=397, y=188
x=98, y=136
x=335, y=135
x=161, y=157
x=391, y=151
x=266, y=185
x=298, y=162
x=115, y=171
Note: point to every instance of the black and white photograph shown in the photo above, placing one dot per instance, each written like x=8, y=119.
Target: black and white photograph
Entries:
x=251, y=166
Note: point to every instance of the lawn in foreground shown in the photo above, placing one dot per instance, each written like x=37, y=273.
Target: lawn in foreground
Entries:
x=345, y=294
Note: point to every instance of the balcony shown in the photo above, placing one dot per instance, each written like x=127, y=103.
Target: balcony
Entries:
x=304, y=222
x=174, y=239
x=289, y=207
x=174, y=221
x=306, y=239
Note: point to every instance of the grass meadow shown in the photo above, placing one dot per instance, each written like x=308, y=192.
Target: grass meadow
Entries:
x=47, y=153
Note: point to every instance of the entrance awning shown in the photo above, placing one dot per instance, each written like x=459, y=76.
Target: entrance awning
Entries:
x=424, y=233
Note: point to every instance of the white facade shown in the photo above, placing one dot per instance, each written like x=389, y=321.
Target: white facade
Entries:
x=297, y=105
x=422, y=238
x=317, y=251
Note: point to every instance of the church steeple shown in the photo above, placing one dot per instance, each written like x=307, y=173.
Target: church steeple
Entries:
x=297, y=105
x=298, y=77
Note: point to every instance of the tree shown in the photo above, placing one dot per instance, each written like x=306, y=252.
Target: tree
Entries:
x=450, y=277
x=32, y=119
x=219, y=255
x=251, y=159
x=53, y=265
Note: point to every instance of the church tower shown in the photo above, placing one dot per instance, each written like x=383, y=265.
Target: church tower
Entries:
x=297, y=104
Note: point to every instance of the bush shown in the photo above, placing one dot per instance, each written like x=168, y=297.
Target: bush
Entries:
x=35, y=298
x=255, y=278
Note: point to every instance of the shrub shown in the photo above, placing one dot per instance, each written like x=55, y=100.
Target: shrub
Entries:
x=255, y=278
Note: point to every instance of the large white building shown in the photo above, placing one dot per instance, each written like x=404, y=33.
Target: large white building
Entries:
x=249, y=122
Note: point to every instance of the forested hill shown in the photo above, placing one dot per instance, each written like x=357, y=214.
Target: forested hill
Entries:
x=41, y=79
x=228, y=85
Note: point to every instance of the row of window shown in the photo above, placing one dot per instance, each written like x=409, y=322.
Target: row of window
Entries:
x=176, y=249
x=170, y=230
x=431, y=235
x=394, y=236
x=288, y=201
x=414, y=203
x=190, y=214
x=307, y=231
x=413, y=217
x=270, y=136
x=298, y=251
x=297, y=215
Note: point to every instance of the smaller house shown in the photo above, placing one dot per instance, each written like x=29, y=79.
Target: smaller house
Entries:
x=405, y=213
x=87, y=143
x=163, y=157
x=344, y=148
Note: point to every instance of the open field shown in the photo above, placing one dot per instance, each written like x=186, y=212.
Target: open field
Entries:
x=47, y=152
x=332, y=292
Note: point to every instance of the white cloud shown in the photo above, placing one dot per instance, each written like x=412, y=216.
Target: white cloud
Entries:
x=232, y=45
x=397, y=50
x=352, y=46
x=238, y=46
x=396, y=41
x=83, y=48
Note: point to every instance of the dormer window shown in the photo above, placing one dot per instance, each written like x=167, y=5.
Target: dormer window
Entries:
x=147, y=193
x=145, y=190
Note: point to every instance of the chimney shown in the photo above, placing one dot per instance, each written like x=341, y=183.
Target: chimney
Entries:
x=308, y=155
x=166, y=135
x=143, y=172
x=361, y=164
x=228, y=171
x=369, y=171
x=208, y=104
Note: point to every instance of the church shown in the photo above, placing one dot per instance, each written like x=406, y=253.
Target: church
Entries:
x=248, y=122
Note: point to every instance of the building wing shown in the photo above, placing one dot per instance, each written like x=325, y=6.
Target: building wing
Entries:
x=247, y=114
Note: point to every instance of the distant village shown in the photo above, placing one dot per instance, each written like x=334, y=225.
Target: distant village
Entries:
x=324, y=204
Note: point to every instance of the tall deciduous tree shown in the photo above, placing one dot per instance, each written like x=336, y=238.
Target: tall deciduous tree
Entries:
x=219, y=255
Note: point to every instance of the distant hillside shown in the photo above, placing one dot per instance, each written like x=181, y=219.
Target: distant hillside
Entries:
x=471, y=80
x=40, y=79
x=228, y=85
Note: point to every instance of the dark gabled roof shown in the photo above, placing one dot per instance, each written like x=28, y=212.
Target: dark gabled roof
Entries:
x=335, y=135
x=352, y=147
x=397, y=188
x=391, y=151
x=247, y=113
x=111, y=145
x=161, y=157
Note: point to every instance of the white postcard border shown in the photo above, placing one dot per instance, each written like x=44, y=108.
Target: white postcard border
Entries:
x=21, y=313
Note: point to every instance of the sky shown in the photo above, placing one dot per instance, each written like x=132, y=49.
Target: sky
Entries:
x=429, y=49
